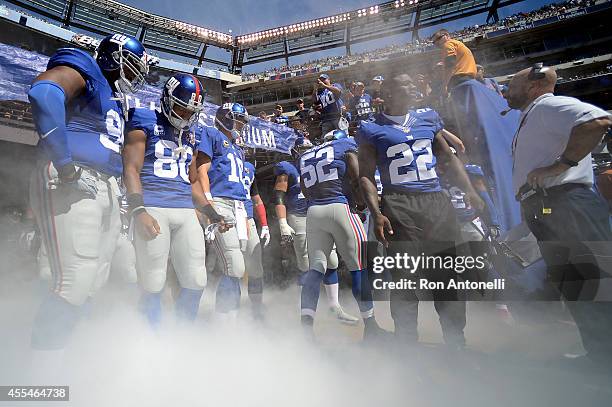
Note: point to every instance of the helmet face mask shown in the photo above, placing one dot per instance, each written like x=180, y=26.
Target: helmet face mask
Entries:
x=126, y=59
x=132, y=71
x=182, y=101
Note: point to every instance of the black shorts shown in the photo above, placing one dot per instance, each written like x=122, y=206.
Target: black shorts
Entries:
x=425, y=226
x=426, y=216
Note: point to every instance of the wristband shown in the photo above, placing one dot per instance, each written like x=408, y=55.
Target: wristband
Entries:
x=135, y=201
x=260, y=210
x=210, y=213
x=67, y=176
x=279, y=197
x=564, y=160
x=208, y=196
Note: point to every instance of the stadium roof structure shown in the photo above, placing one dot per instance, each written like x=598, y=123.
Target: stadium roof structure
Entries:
x=364, y=24
x=191, y=41
x=156, y=32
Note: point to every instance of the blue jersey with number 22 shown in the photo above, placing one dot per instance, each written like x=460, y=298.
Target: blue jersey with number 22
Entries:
x=323, y=171
x=404, y=150
x=165, y=170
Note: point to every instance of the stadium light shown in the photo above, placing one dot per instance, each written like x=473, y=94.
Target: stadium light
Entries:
x=320, y=23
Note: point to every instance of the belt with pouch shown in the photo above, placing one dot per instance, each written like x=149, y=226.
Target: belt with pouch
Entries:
x=526, y=191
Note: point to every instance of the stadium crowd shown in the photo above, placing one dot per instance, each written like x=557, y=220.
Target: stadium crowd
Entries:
x=422, y=45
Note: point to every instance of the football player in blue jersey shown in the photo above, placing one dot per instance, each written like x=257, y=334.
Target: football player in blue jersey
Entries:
x=291, y=207
x=252, y=255
x=415, y=215
x=159, y=170
x=80, y=119
x=328, y=176
x=330, y=97
x=220, y=171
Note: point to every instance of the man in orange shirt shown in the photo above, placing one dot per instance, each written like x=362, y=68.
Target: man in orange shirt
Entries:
x=459, y=63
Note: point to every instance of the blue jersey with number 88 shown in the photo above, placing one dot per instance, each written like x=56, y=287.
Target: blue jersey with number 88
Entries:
x=226, y=171
x=404, y=150
x=94, y=119
x=165, y=171
x=323, y=172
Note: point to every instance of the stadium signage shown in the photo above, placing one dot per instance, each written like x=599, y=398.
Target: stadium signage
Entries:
x=260, y=134
x=85, y=41
x=572, y=14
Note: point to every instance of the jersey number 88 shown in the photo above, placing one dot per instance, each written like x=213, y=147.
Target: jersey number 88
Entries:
x=167, y=164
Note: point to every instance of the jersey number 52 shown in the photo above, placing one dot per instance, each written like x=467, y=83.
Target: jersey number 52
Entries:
x=313, y=173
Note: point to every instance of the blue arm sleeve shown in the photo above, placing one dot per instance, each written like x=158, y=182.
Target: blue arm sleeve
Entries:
x=492, y=211
x=49, y=111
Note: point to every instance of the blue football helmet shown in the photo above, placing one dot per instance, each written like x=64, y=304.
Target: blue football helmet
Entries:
x=186, y=92
x=127, y=55
x=335, y=135
x=229, y=115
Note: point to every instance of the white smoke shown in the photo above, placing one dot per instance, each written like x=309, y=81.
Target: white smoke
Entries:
x=114, y=359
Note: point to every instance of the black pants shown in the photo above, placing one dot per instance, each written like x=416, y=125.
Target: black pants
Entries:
x=424, y=223
x=563, y=221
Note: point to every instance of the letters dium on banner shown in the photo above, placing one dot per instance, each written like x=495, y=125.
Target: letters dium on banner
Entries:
x=23, y=66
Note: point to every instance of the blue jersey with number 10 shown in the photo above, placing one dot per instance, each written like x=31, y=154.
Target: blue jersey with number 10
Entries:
x=323, y=171
x=94, y=119
x=404, y=150
x=249, y=178
x=226, y=165
x=332, y=104
x=165, y=170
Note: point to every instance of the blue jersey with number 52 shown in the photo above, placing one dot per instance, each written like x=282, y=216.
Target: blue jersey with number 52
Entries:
x=165, y=170
x=226, y=165
x=404, y=150
x=323, y=172
x=94, y=119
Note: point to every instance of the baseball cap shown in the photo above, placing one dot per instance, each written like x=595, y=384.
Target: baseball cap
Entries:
x=324, y=76
x=378, y=78
x=300, y=101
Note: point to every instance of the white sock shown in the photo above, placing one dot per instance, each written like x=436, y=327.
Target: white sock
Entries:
x=332, y=294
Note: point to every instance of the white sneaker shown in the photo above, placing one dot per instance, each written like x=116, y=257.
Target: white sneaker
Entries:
x=343, y=316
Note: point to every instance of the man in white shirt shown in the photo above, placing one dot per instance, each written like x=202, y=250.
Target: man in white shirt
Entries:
x=552, y=178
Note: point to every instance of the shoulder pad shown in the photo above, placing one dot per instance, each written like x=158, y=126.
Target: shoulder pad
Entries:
x=141, y=118
x=78, y=60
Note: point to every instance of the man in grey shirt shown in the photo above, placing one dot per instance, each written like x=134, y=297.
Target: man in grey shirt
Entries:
x=553, y=178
